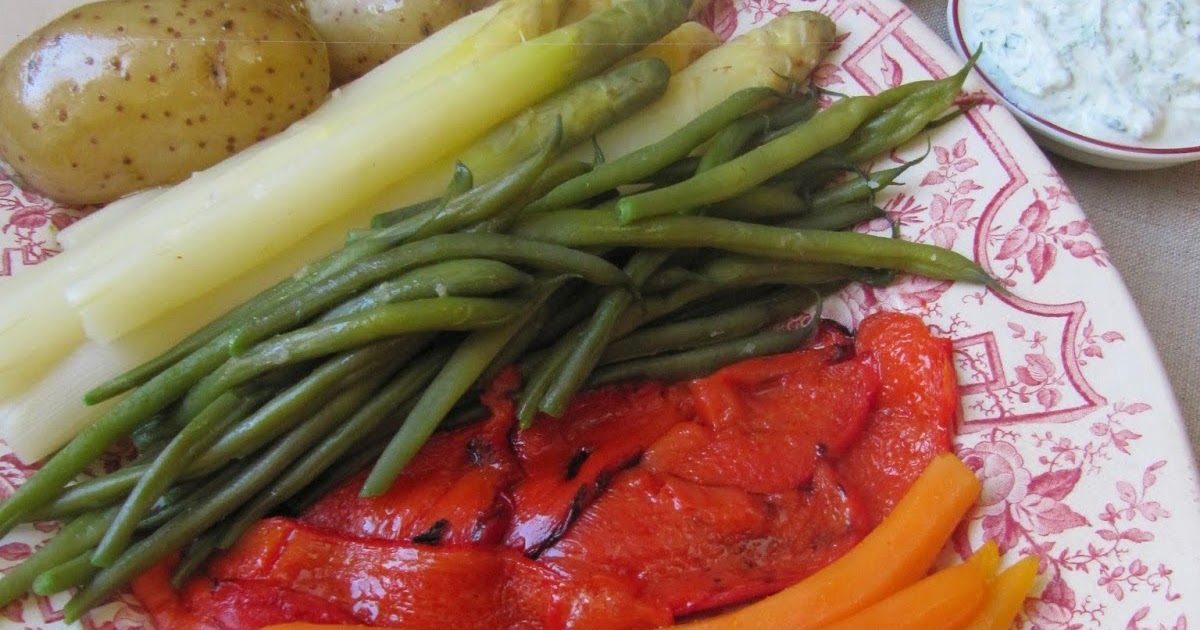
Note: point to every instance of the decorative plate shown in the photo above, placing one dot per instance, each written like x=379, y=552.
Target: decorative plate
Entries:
x=1067, y=414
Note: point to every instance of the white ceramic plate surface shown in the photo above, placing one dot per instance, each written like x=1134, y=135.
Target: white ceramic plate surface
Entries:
x=1068, y=417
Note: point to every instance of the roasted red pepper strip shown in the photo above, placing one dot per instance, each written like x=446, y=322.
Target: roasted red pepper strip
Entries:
x=567, y=464
x=916, y=416
x=762, y=425
x=698, y=547
x=416, y=586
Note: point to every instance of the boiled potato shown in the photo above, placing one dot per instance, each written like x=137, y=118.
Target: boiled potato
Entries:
x=121, y=95
x=362, y=34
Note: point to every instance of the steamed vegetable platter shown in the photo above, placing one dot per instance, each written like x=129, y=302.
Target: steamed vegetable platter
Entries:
x=550, y=354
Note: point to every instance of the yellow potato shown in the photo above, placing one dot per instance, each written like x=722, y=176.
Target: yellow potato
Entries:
x=362, y=34
x=121, y=95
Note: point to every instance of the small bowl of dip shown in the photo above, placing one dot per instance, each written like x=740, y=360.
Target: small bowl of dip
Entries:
x=1114, y=84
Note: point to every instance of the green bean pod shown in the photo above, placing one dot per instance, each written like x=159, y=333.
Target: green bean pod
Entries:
x=761, y=203
x=220, y=498
x=462, y=180
x=584, y=228
x=909, y=117
x=585, y=353
x=116, y=423
x=826, y=129
x=354, y=331
x=70, y=574
x=860, y=188
x=643, y=163
x=296, y=403
x=393, y=396
x=841, y=217
x=392, y=217
x=736, y=322
x=77, y=537
x=705, y=359
x=405, y=257
x=164, y=470
x=746, y=271
x=466, y=277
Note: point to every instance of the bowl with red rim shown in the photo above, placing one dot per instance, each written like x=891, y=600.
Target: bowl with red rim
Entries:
x=1061, y=139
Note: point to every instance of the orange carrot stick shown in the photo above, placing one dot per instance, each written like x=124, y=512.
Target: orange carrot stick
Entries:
x=895, y=555
x=943, y=601
x=1005, y=596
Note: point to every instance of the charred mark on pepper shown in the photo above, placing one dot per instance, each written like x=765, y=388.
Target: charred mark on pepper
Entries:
x=433, y=535
x=576, y=463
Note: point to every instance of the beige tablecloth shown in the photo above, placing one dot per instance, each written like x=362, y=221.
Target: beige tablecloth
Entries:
x=1150, y=223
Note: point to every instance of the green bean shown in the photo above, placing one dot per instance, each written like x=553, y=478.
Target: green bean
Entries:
x=761, y=203
x=841, y=217
x=196, y=342
x=668, y=279
x=68, y=575
x=656, y=307
x=827, y=128
x=554, y=175
x=172, y=502
x=392, y=217
x=404, y=257
x=815, y=173
x=77, y=537
x=705, y=359
x=354, y=331
x=165, y=469
x=732, y=323
x=566, y=309
x=466, y=277
x=196, y=555
x=643, y=163
x=585, y=353
x=584, y=228
x=362, y=453
x=393, y=396
x=744, y=271
x=860, y=188
x=246, y=436
x=461, y=370
x=548, y=366
x=219, y=498
x=898, y=125
x=516, y=348
x=92, y=494
x=733, y=140
x=793, y=109
x=291, y=407
x=674, y=173
x=462, y=180
x=516, y=182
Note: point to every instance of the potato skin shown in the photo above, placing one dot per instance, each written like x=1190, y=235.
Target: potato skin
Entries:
x=121, y=95
x=363, y=34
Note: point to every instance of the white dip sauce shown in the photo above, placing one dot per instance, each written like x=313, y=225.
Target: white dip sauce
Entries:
x=1124, y=71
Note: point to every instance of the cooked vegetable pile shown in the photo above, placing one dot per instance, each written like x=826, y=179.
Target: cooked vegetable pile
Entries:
x=666, y=262
x=645, y=503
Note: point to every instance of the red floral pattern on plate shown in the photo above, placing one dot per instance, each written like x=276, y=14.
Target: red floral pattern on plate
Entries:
x=1068, y=419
